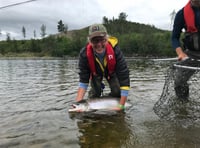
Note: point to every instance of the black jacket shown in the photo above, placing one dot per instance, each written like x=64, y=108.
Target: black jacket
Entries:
x=121, y=70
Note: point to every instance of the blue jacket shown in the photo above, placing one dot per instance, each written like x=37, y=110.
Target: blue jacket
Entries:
x=179, y=24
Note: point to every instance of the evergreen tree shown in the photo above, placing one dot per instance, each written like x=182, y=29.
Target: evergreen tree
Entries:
x=105, y=20
x=61, y=26
x=34, y=34
x=8, y=38
x=122, y=16
x=43, y=31
x=24, y=32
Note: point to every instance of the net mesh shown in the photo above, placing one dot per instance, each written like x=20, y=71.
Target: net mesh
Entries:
x=169, y=107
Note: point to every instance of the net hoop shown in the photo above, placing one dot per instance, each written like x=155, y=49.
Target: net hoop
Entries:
x=186, y=67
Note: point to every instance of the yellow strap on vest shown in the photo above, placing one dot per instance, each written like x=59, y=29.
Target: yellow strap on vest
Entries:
x=104, y=64
x=105, y=61
x=113, y=41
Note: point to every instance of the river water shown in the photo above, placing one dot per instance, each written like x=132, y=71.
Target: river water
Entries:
x=35, y=96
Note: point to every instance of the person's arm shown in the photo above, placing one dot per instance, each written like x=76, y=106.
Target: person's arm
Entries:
x=123, y=98
x=122, y=102
x=80, y=94
x=122, y=73
x=181, y=54
x=124, y=95
x=179, y=24
x=84, y=75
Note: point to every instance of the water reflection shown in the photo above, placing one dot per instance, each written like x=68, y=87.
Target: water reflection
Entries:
x=105, y=131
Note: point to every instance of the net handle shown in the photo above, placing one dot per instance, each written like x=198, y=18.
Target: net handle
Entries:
x=186, y=67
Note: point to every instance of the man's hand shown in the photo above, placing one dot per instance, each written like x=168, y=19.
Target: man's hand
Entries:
x=119, y=108
x=181, y=54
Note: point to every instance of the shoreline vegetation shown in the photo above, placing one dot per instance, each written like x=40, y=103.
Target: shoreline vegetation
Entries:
x=135, y=40
x=32, y=56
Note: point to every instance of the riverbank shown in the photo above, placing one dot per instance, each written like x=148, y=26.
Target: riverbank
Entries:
x=32, y=56
x=39, y=56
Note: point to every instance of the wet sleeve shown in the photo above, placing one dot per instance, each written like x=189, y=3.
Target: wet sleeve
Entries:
x=84, y=71
x=178, y=25
x=122, y=70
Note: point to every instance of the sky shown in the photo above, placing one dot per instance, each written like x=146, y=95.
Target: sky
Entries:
x=78, y=14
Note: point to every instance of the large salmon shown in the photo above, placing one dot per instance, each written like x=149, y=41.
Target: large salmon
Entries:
x=104, y=104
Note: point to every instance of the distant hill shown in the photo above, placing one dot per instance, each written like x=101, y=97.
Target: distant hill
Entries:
x=135, y=39
x=116, y=28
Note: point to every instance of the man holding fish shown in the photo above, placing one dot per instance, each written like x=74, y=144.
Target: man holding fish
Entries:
x=102, y=58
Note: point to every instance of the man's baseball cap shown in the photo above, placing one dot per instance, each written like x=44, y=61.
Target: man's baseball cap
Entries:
x=97, y=30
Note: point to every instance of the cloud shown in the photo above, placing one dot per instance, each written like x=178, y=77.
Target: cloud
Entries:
x=78, y=14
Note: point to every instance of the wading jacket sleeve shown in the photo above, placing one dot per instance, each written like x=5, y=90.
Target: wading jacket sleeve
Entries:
x=179, y=24
x=121, y=68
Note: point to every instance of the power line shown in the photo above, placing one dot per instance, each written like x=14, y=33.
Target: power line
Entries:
x=11, y=5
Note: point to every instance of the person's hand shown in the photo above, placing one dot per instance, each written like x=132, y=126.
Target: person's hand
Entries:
x=181, y=55
x=119, y=107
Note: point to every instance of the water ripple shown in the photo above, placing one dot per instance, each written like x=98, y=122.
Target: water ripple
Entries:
x=35, y=95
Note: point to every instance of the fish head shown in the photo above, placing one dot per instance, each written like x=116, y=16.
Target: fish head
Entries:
x=78, y=107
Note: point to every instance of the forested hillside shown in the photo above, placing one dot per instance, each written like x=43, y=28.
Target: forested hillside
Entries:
x=135, y=39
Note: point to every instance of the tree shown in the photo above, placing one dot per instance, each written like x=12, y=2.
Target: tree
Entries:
x=34, y=34
x=122, y=16
x=172, y=16
x=105, y=20
x=61, y=26
x=24, y=32
x=8, y=38
x=43, y=31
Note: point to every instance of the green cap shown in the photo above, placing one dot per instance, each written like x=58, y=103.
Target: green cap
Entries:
x=96, y=30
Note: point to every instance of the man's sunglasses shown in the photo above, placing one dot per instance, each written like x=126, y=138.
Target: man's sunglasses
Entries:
x=97, y=40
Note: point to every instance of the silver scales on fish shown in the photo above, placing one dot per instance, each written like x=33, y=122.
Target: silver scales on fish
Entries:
x=96, y=104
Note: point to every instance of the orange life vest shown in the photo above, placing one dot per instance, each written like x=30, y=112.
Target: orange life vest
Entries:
x=110, y=57
x=189, y=18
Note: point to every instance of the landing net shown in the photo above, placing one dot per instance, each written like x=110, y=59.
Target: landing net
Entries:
x=169, y=107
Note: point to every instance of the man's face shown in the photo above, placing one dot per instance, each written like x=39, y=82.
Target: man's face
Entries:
x=98, y=44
